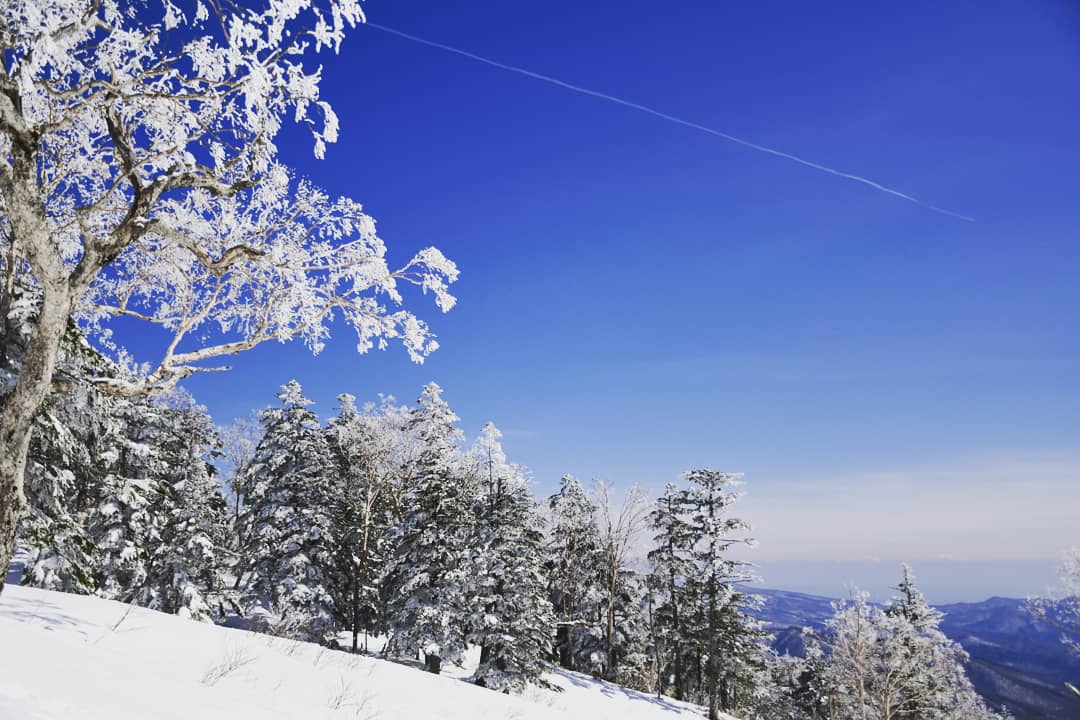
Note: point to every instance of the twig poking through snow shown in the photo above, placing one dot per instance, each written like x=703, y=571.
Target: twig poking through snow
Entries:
x=235, y=658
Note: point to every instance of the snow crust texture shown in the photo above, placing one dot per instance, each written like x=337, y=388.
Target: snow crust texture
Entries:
x=68, y=656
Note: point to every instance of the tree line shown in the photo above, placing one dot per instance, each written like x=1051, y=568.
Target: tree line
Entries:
x=382, y=522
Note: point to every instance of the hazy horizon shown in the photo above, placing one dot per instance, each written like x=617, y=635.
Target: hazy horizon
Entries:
x=942, y=581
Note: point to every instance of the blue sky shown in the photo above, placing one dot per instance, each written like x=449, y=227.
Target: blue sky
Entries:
x=638, y=298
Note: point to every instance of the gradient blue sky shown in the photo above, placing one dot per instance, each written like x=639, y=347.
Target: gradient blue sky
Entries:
x=638, y=298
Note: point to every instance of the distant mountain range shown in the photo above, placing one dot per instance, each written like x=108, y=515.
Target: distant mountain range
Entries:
x=1016, y=662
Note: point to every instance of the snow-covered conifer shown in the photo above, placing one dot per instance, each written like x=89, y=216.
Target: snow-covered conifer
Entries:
x=185, y=567
x=672, y=566
x=631, y=655
x=574, y=566
x=428, y=581
x=119, y=490
x=511, y=617
x=128, y=518
x=63, y=479
x=288, y=543
x=723, y=636
x=929, y=675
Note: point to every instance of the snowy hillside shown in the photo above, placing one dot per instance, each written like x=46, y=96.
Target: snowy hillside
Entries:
x=68, y=656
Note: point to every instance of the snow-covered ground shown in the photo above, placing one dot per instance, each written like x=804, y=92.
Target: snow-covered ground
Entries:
x=66, y=656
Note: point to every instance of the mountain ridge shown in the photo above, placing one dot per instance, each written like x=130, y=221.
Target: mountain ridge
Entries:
x=1016, y=661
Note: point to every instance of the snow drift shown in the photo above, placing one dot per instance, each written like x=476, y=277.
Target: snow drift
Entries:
x=69, y=656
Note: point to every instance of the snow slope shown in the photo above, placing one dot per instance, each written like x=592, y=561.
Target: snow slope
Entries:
x=67, y=656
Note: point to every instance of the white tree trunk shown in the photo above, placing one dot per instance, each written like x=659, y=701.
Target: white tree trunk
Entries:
x=17, y=410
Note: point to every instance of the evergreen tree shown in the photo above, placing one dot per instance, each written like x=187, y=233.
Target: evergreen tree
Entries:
x=62, y=482
x=428, y=581
x=775, y=694
x=288, y=543
x=672, y=567
x=574, y=566
x=931, y=683
x=723, y=636
x=511, y=616
x=186, y=566
x=911, y=605
x=109, y=510
x=127, y=521
x=628, y=652
x=90, y=472
x=64, y=473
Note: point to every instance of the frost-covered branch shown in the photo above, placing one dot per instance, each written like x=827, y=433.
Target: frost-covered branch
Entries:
x=279, y=261
x=139, y=179
x=158, y=163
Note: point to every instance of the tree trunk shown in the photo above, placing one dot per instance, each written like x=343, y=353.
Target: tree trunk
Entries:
x=678, y=633
x=433, y=663
x=359, y=571
x=240, y=560
x=236, y=519
x=712, y=672
x=564, y=640
x=355, y=607
x=656, y=648
x=609, y=671
x=18, y=408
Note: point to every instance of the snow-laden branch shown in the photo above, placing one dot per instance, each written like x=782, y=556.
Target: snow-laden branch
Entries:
x=277, y=262
x=139, y=179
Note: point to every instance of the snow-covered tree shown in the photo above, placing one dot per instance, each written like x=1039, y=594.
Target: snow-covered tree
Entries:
x=427, y=585
x=775, y=692
x=672, y=566
x=186, y=565
x=574, y=567
x=846, y=657
x=238, y=442
x=624, y=625
x=1062, y=608
x=142, y=139
x=890, y=663
x=127, y=519
x=367, y=446
x=121, y=498
x=288, y=544
x=155, y=513
x=63, y=475
x=511, y=617
x=631, y=655
x=724, y=639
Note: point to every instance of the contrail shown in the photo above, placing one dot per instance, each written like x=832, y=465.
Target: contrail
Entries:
x=671, y=118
